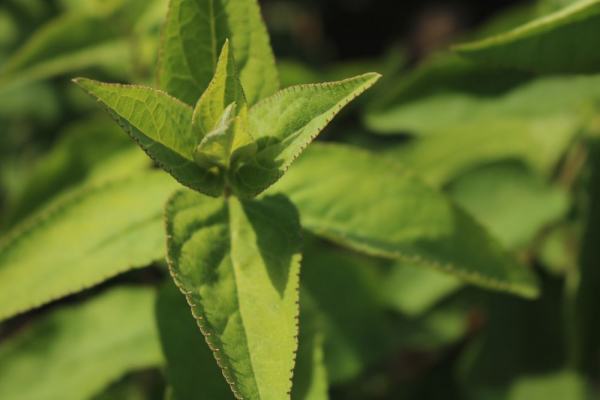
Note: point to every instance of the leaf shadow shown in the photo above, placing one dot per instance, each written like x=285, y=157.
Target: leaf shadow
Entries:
x=276, y=225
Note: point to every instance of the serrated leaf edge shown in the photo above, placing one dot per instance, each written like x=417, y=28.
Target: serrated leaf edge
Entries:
x=471, y=277
x=38, y=220
x=129, y=133
x=198, y=319
x=331, y=114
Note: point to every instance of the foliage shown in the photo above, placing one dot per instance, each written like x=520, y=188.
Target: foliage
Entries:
x=438, y=240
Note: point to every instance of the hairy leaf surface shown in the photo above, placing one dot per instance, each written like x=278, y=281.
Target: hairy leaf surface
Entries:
x=224, y=89
x=560, y=42
x=82, y=239
x=77, y=351
x=284, y=124
x=393, y=213
x=195, y=31
x=238, y=265
x=161, y=125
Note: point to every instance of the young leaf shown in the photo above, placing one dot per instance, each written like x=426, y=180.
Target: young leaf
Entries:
x=225, y=89
x=193, y=33
x=77, y=351
x=191, y=369
x=558, y=43
x=237, y=264
x=82, y=239
x=226, y=146
x=162, y=127
x=395, y=214
x=284, y=124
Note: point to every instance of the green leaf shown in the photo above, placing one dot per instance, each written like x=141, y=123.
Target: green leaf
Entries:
x=345, y=289
x=310, y=375
x=514, y=204
x=77, y=351
x=284, y=124
x=224, y=90
x=64, y=45
x=558, y=43
x=161, y=125
x=194, y=32
x=82, y=239
x=453, y=89
x=228, y=145
x=392, y=213
x=82, y=148
x=586, y=314
x=521, y=341
x=191, y=369
x=445, y=155
x=413, y=290
x=460, y=93
x=237, y=264
x=555, y=385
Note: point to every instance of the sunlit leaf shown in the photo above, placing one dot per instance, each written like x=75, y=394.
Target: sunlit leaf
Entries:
x=386, y=210
x=77, y=351
x=195, y=31
x=238, y=264
x=82, y=239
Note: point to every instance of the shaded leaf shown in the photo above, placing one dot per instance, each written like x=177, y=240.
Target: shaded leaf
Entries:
x=521, y=341
x=195, y=31
x=392, y=213
x=560, y=42
x=344, y=289
x=81, y=148
x=77, y=351
x=510, y=201
x=238, y=265
x=310, y=375
x=67, y=44
x=82, y=239
x=445, y=155
x=413, y=290
x=191, y=368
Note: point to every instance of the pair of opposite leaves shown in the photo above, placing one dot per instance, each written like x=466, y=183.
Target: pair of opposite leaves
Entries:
x=223, y=144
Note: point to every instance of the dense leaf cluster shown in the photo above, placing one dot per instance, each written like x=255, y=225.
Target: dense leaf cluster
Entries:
x=295, y=269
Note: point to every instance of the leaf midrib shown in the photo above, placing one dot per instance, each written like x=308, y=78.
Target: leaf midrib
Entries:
x=237, y=291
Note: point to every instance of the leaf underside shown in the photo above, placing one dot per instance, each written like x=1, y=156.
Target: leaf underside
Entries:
x=237, y=264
